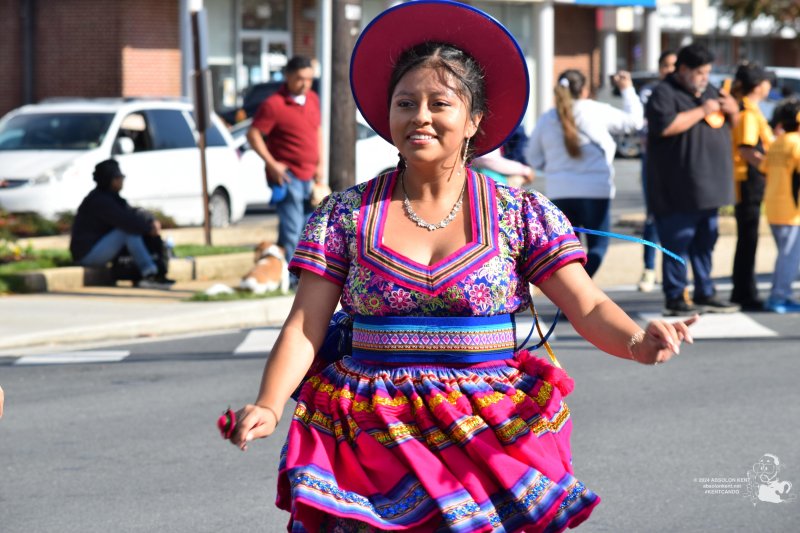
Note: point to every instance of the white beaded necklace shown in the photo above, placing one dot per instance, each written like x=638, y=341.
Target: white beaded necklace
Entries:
x=419, y=221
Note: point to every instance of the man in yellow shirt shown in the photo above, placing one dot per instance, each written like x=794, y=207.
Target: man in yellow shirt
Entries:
x=752, y=137
x=782, y=168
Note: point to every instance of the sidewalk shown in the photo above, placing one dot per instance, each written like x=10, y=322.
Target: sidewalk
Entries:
x=94, y=314
x=74, y=313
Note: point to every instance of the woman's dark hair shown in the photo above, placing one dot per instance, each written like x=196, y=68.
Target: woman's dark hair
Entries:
x=451, y=63
x=694, y=56
x=786, y=114
x=568, y=88
x=664, y=55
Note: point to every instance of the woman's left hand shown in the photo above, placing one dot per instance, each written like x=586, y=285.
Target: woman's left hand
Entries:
x=661, y=341
x=623, y=80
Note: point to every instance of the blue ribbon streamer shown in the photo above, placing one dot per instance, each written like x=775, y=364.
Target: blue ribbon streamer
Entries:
x=637, y=240
x=673, y=255
x=546, y=336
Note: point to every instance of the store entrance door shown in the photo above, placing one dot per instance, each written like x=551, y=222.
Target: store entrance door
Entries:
x=264, y=54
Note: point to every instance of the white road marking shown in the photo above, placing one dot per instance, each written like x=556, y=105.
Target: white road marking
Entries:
x=65, y=358
x=524, y=327
x=720, y=326
x=258, y=341
x=262, y=340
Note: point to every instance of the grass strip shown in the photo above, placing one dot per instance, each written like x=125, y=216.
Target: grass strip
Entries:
x=236, y=295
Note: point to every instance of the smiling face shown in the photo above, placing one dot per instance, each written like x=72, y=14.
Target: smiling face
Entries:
x=429, y=119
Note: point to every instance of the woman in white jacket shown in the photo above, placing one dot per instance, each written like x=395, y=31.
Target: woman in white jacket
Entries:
x=573, y=148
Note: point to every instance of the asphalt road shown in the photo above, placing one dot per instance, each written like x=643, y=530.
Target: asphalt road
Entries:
x=132, y=445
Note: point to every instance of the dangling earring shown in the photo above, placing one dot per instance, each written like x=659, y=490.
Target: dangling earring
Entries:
x=466, y=150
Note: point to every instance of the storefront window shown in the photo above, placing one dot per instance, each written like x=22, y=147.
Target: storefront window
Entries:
x=265, y=14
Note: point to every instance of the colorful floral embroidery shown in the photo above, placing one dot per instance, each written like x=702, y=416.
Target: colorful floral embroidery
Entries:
x=400, y=299
x=533, y=239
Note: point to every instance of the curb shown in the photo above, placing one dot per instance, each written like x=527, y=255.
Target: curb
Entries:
x=206, y=316
x=203, y=268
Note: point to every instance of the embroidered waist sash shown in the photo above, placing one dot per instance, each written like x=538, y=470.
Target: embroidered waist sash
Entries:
x=439, y=340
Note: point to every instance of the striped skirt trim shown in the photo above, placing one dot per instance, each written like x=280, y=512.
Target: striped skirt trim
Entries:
x=429, y=448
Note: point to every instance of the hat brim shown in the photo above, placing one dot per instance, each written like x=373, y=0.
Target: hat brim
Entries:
x=401, y=27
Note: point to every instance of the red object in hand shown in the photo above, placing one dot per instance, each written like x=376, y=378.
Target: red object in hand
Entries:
x=227, y=423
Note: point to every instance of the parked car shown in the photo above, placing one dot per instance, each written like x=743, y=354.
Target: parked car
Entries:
x=48, y=152
x=629, y=145
x=787, y=81
x=786, y=84
x=373, y=155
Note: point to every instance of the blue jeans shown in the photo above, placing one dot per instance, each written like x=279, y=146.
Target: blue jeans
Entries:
x=112, y=242
x=589, y=213
x=649, y=232
x=787, y=264
x=692, y=236
x=292, y=215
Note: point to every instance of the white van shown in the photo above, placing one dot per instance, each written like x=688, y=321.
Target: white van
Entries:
x=787, y=80
x=48, y=152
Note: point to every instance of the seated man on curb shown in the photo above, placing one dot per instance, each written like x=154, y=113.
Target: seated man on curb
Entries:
x=105, y=223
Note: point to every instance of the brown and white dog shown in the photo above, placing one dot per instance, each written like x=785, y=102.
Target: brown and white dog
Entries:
x=269, y=273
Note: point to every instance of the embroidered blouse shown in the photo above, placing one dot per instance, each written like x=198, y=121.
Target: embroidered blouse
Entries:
x=517, y=237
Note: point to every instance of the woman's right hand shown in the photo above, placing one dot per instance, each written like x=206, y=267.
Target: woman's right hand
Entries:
x=711, y=106
x=277, y=173
x=253, y=422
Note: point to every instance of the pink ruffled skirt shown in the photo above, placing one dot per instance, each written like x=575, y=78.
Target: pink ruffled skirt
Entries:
x=423, y=447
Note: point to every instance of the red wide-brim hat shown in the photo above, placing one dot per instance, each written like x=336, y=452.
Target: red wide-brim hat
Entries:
x=406, y=25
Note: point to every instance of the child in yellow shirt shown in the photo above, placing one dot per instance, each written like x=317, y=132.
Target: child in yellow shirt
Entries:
x=752, y=138
x=782, y=168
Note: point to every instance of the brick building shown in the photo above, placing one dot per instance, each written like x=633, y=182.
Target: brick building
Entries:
x=88, y=48
x=94, y=48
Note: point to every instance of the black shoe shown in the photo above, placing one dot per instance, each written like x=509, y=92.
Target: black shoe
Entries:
x=155, y=282
x=753, y=306
x=680, y=307
x=711, y=304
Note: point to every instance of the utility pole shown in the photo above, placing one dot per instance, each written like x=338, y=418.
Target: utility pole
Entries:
x=346, y=26
x=202, y=105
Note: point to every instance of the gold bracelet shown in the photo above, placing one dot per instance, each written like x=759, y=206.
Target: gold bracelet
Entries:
x=635, y=339
x=271, y=410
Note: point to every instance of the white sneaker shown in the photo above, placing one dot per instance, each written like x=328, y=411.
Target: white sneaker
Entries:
x=648, y=281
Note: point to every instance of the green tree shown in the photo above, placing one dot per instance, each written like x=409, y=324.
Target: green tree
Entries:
x=786, y=12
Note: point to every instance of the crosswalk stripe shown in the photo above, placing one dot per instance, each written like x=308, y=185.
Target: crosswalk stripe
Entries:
x=710, y=326
x=262, y=340
x=524, y=326
x=64, y=358
x=258, y=340
x=720, y=326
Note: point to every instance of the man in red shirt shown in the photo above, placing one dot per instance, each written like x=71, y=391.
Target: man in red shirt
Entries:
x=290, y=120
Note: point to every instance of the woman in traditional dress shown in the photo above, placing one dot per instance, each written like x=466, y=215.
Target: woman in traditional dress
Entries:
x=434, y=420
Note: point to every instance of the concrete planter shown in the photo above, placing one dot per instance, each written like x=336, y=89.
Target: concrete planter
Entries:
x=66, y=279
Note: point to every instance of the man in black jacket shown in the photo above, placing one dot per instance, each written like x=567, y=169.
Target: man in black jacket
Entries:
x=105, y=223
x=689, y=169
